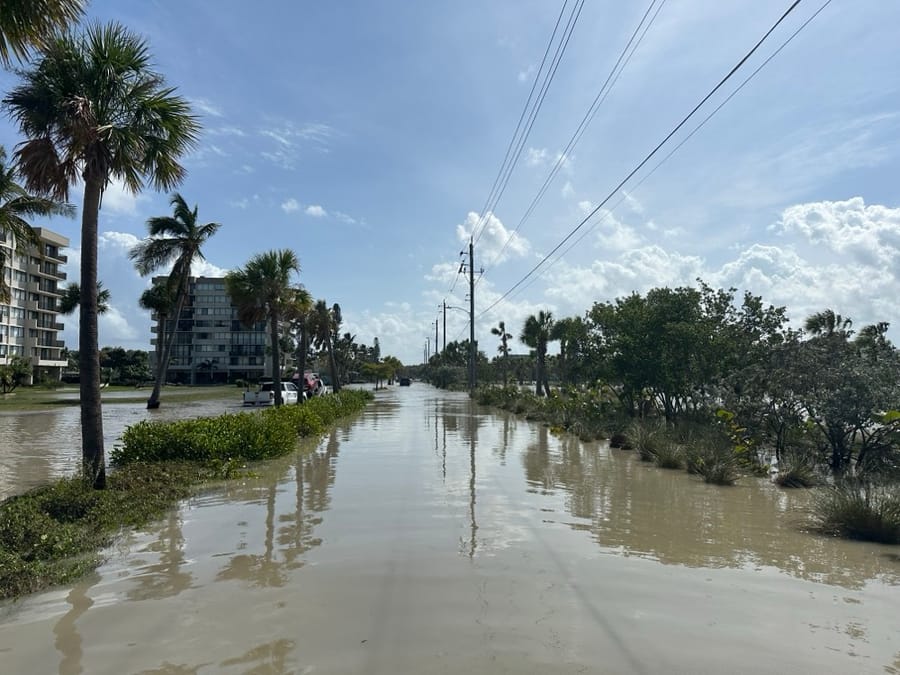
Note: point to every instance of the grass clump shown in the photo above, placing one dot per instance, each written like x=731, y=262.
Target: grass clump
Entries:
x=797, y=470
x=712, y=456
x=860, y=511
x=669, y=455
x=646, y=437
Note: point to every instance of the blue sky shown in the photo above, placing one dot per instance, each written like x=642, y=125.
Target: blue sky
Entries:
x=367, y=136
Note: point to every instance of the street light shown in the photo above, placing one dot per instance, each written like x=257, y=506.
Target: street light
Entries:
x=446, y=307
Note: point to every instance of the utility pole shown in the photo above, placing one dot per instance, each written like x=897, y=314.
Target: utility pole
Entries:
x=445, y=325
x=435, y=335
x=472, y=351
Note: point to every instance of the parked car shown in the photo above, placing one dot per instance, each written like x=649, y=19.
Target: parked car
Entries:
x=265, y=394
x=405, y=381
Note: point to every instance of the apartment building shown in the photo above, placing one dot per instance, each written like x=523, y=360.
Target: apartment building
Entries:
x=30, y=324
x=211, y=345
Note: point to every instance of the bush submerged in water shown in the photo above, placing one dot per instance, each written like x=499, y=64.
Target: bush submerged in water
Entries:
x=860, y=511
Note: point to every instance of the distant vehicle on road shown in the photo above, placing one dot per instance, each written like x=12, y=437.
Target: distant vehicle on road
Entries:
x=265, y=395
x=405, y=381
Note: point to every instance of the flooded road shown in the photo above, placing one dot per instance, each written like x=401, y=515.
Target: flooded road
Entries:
x=430, y=535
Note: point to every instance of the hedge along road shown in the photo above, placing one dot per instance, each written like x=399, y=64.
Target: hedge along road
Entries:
x=431, y=535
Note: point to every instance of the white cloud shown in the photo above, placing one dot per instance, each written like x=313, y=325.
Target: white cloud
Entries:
x=121, y=242
x=290, y=205
x=315, y=211
x=527, y=74
x=206, y=107
x=536, y=156
x=226, y=131
x=204, y=268
x=495, y=243
x=568, y=190
x=344, y=218
x=585, y=206
x=119, y=200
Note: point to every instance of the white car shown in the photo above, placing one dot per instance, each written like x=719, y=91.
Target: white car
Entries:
x=265, y=395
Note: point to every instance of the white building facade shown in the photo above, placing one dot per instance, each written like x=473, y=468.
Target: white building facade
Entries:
x=30, y=324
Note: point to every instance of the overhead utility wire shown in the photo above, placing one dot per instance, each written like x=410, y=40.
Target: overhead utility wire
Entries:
x=536, y=108
x=646, y=159
x=607, y=86
x=682, y=142
x=512, y=141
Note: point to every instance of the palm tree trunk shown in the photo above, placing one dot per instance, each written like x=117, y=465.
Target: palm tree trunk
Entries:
x=276, y=357
x=93, y=456
x=332, y=365
x=169, y=340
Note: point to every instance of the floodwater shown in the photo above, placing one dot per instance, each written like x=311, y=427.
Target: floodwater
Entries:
x=39, y=446
x=430, y=535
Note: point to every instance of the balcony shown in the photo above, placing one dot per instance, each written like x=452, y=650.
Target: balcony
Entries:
x=59, y=275
x=58, y=326
x=59, y=344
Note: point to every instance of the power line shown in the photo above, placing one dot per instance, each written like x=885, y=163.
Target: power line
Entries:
x=602, y=94
x=506, y=172
x=684, y=140
x=646, y=159
x=490, y=202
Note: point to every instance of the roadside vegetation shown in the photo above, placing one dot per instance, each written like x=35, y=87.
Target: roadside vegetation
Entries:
x=718, y=385
x=56, y=533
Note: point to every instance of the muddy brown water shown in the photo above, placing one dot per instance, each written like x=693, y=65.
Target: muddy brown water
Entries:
x=429, y=535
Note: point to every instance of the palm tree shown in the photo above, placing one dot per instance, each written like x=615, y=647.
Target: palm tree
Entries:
x=71, y=297
x=500, y=331
x=569, y=331
x=322, y=330
x=175, y=238
x=262, y=291
x=28, y=23
x=536, y=334
x=93, y=110
x=158, y=300
x=826, y=324
x=16, y=204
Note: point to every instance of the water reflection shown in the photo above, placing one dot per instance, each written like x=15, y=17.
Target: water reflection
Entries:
x=67, y=639
x=39, y=446
x=287, y=535
x=168, y=576
x=637, y=509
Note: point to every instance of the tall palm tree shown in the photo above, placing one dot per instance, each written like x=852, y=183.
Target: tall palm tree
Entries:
x=500, y=331
x=29, y=23
x=92, y=109
x=71, y=296
x=569, y=331
x=175, y=238
x=262, y=291
x=16, y=205
x=536, y=334
x=322, y=331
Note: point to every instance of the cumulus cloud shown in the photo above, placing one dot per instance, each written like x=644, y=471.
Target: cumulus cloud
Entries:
x=118, y=200
x=870, y=235
x=315, y=211
x=290, y=205
x=495, y=243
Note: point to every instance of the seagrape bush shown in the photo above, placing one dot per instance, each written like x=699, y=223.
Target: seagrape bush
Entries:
x=235, y=436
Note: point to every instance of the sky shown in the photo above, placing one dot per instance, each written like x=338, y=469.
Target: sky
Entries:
x=367, y=138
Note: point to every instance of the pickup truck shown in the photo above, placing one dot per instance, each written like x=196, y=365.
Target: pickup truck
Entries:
x=265, y=394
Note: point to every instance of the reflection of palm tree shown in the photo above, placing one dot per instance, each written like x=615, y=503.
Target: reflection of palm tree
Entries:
x=68, y=639
x=166, y=578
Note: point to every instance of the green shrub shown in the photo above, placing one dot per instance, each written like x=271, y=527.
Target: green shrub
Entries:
x=246, y=436
x=855, y=511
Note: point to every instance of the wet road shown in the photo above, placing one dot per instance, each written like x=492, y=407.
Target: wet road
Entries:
x=429, y=535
